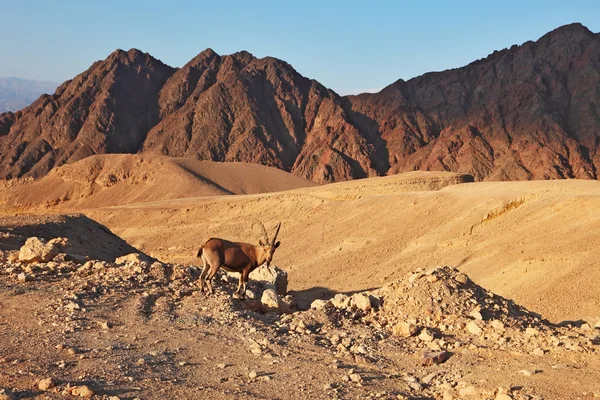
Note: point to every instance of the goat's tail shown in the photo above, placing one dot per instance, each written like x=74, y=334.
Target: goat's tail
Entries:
x=199, y=253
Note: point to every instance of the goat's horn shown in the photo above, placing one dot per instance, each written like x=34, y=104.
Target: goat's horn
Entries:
x=276, y=232
x=263, y=230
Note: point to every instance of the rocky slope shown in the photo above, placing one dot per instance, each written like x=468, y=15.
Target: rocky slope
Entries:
x=528, y=112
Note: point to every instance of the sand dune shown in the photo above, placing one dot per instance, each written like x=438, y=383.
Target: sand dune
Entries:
x=534, y=242
x=117, y=179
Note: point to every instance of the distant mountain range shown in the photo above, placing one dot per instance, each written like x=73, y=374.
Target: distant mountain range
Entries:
x=528, y=112
x=16, y=94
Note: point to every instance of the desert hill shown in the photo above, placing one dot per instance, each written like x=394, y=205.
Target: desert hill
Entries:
x=118, y=179
x=520, y=239
x=528, y=112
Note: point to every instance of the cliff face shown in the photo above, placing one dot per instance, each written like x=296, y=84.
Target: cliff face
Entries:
x=528, y=112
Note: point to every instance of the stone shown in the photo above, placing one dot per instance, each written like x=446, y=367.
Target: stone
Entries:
x=475, y=314
x=45, y=384
x=269, y=299
x=23, y=277
x=426, y=335
x=355, y=377
x=405, y=329
x=461, y=278
x=474, y=329
x=271, y=277
x=131, y=258
x=340, y=300
x=503, y=396
x=433, y=358
x=82, y=391
x=253, y=374
x=498, y=325
x=597, y=326
x=531, y=332
x=468, y=391
x=362, y=301
x=37, y=250
x=539, y=352
x=319, y=304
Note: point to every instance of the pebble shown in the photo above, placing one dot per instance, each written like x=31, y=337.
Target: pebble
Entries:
x=461, y=278
x=355, y=377
x=253, y=374
x=432, y=358
x=405, y=329
x=82, y=391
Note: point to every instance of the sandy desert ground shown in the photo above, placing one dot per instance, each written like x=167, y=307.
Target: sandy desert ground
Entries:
x=534, y=243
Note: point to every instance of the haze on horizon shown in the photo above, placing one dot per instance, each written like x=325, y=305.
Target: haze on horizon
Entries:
x=350, y=47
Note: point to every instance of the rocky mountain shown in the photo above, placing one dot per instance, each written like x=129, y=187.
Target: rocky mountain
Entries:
x=528, y=112
x=16, y=94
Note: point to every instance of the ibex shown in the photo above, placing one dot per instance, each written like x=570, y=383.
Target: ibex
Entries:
x=235, y=257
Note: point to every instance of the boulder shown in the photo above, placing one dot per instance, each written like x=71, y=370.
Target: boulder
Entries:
x=271, y=277
x=269, y=298
x=362, y=301
x=38, y=250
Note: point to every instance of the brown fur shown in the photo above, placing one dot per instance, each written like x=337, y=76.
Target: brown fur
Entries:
x=234, y=257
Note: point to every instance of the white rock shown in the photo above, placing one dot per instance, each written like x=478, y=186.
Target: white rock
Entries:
x=341, y=301
x=362, y=301
x=473, y=328
x=319, y=304
x=37, y=250
x=131, y=258
x=269, y=298
x=405, y=329
x=271, y=277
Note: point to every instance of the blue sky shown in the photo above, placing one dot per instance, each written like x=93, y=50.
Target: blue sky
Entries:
x=349, y=46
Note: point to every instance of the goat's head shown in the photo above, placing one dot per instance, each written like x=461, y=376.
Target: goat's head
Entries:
x=269, y=246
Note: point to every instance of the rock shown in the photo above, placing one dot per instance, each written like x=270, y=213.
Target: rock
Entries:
x=473, y=328
x=46, y=384
x=253, y=374
x=131, y=258
x=498, y=325
x=597, y=326
x=475, y=314
x=319, y=304
x=405, y=329
x=531, y=332
x=426, y=335
x=82, y=391
x=271, y=277
x=362, y=301
x=23, y=277
x=12, y=257
x=539, y=352
x=37, y=250
x=461, y=278
x=355, y=377
x=340, y=300
x=503, y=396
x=432, y=358
x=468, y=391
x=269, y=299
x=221, y=366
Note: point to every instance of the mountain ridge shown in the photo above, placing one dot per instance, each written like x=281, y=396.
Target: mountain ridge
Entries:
x=530, y=111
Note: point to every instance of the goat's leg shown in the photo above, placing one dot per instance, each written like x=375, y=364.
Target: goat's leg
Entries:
x=240, y=285
x=204, y=273
x=244, y=278
x=209, y=278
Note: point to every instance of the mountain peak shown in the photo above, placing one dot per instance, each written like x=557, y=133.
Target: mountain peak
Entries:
x=574, y=29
